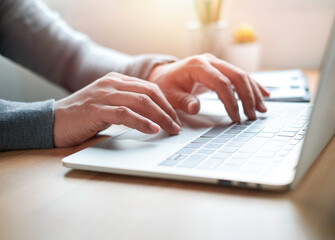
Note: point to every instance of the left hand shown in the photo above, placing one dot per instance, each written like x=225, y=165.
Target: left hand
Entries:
x=180, y=82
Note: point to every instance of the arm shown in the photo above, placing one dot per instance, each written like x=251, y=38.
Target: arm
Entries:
x=37, y=38
x=26, y=125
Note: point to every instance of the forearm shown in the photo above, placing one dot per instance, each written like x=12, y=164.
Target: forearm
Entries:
x=37, y=38
x=26, y=125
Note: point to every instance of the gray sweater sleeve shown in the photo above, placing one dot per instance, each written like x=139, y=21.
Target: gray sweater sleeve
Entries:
x=26, y=125
x=37, y=38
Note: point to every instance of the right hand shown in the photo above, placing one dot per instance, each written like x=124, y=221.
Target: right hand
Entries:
x=112, y=99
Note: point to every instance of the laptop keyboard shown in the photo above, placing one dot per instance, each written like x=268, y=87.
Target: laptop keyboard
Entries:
x=247, y=146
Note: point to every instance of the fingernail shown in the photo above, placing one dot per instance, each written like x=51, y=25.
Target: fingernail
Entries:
x=192, y=107
x=252, y=116
x=154, y=127
x=263, y=107
x=178, y=121
x=176, y=127
x=237, y=118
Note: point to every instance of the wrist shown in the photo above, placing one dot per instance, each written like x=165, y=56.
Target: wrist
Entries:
x=158, y=70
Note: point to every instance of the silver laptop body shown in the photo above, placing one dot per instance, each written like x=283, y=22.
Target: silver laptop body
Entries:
x=273, y=152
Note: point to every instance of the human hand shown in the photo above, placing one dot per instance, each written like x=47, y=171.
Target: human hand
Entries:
x=112, y=99
x=181, y=81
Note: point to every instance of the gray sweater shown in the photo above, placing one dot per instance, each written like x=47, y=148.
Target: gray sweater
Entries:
x=37, y=38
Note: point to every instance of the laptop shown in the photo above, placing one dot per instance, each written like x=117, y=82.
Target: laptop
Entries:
x=273, y=152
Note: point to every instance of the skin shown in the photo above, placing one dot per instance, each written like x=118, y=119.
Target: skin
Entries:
x=150, y=105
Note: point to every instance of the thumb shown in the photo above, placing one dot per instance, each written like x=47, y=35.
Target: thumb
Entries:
x=186, y=102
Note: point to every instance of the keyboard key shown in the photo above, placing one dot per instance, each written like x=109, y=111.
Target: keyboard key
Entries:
x=211, y=163
x=296, y=125
x=168, y=163
x=286, y=134
x=240, y=139
x=298, y=137
x=239, y=127
x=206, y=151
x=260, y=139
x=232, y=131
x=234, y=144
x=270, y=130
x=246, y=123
x=213, y=145
x=248, y=150
x=252, y=130
x=265, y=135
x=227, y=136
x=225, y=149
x=291, y=129
x=215, y=131
x=221, y=155
x=220, y=140
x=186, y=151
x=192, y=161
x=248, y=135
x=194, y=145
x=255, y=145
x=173, y=156
x=201, y=140
x=242, y=155
x=173, y=159
x=281, y=138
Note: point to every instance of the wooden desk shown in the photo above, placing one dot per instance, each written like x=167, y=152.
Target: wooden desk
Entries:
x=41, y=199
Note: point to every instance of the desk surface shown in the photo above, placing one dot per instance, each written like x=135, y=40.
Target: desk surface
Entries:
x=41, y=199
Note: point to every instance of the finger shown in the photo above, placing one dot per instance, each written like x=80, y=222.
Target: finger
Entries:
x=213, y=79
x=154, y=92
x=242, y=86
x=258, y=97
x=184, y=101
x=145, y=106
x=264, y=92
x=125, y=116
x=245, y=93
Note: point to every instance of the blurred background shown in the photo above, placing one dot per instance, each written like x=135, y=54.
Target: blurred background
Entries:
x=292, y=33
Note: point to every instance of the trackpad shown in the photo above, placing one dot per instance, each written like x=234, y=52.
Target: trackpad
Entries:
x=193, y=126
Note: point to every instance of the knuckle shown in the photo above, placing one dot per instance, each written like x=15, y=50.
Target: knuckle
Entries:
x=113, y=74
x=121, y=111
x=101, y=92
x=149, y=88
x=153, y=90
x=225, y=83
x=109, y=78
x=243, y=77
x=145, y=124
x=166, y=121
x=195, y=60
x=154, y=87
x=143, y=99
x=113, y=95
x=93, y=110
